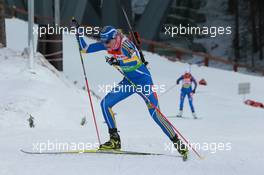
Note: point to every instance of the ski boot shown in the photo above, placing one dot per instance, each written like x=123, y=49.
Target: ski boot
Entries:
x=181, y=147
x=114, y=143
x=194, y=115
x=179, y=115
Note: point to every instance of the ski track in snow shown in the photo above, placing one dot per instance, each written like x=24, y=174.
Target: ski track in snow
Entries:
x=58, y=107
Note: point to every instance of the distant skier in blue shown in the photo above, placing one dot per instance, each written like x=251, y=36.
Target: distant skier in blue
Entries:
x=126, y=56
x=187, y=90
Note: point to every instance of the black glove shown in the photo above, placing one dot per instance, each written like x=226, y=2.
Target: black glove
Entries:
x=112, y=61
x=193, y=91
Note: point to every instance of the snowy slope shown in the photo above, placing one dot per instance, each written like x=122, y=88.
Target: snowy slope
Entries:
x=58, y=107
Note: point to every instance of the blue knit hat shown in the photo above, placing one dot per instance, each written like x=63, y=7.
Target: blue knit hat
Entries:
x=108, y=33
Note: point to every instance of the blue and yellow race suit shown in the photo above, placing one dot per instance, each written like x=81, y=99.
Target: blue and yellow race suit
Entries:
x=132, y=66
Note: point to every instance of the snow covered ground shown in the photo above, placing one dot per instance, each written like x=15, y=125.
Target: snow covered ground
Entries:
x=58, y=107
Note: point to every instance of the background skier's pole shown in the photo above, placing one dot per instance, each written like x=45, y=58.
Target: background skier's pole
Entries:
x=158, y=110
x=169, y=89
x=88, y=90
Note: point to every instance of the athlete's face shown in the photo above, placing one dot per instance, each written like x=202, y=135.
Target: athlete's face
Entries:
x=187, y=75
x=110, y=44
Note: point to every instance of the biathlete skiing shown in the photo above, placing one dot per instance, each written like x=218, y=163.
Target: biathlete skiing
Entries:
x=125, y=56
x=187, y=90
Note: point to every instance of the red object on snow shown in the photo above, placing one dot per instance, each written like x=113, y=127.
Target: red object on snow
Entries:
x=254, y=103
x=202, y=82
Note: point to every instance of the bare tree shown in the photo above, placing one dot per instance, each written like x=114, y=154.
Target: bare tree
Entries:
x=2, y=24
x=232, y=6
x=236, y=40
x=260, y=27
x=253, y=30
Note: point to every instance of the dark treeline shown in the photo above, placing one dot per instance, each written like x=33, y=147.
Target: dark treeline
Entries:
x=248, y=33
x=2, y=25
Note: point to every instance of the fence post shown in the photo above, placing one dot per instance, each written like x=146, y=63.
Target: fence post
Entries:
x=179, y=55
x=31, y=47
x=206, y=61
x=13, y=11
x=235, y=67
x=151, y=47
